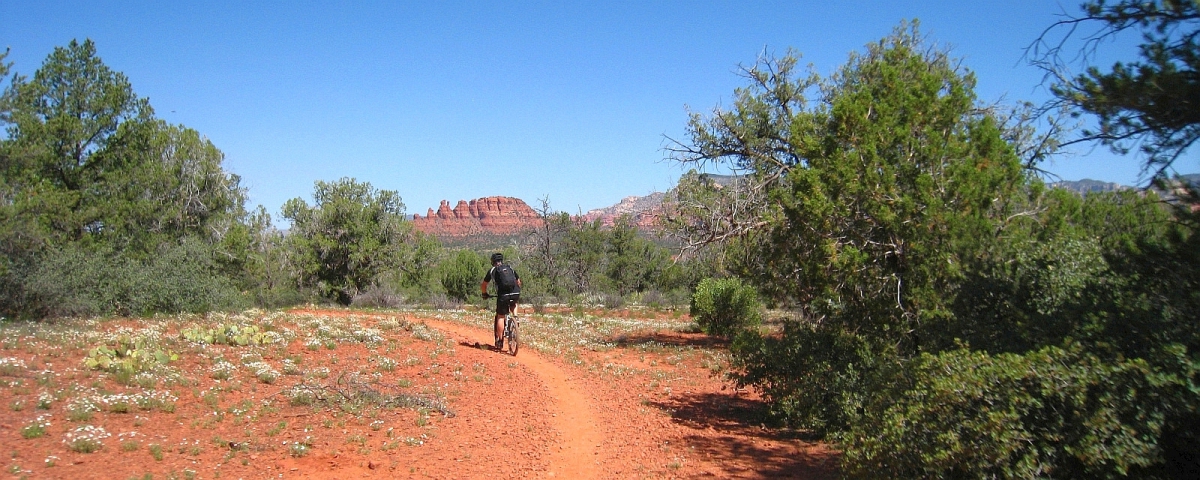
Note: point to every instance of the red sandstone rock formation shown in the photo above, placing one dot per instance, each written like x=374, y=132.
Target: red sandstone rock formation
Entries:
x=488, y=215
x=643, y=210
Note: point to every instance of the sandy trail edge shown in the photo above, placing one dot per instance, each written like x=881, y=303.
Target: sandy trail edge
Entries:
x=571, y=413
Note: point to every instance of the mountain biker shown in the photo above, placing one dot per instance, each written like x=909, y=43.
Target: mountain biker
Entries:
x=508, y=292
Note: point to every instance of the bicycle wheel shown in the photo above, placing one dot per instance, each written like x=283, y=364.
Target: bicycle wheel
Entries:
x=512, y=342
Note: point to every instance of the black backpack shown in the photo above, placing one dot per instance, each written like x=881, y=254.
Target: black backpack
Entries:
x=506, y=279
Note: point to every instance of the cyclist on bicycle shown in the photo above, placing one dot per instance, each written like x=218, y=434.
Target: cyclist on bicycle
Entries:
x=508, y=292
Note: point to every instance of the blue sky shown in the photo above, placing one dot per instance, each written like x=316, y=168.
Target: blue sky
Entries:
x=458, y=100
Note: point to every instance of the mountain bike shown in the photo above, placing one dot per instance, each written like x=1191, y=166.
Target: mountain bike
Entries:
x=511, y=335
x=511, y=338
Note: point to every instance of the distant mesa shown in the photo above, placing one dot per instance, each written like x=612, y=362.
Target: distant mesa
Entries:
x=1174, y=185
x=504, y=216
x=482, y=216
x=1088, y=185
x=507, y=216
x=644, y=211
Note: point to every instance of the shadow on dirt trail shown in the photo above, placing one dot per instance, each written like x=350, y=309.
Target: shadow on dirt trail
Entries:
x=674, y=339
x=652, y=408
x=742, y=445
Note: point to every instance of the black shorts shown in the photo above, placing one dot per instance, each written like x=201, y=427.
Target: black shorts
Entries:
x=506, y=302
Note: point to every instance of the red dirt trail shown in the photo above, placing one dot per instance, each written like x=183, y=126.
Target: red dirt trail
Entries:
x=570, y=412
x=643, y=404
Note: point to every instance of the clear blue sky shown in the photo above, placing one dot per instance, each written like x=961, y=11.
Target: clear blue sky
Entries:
x=459, y=100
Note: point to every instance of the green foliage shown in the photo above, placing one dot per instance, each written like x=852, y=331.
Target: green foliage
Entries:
x=68, y=127
x=1090, y=269
x=568, y=257
x=156, y=451
x=815, y=377
x=861, y=209
x=234, y=335
x=86, y=167
x=128, y=357
x=542, y=254
x=266, y=273
x=957, y=318
x=35, y=430
x=462, y=273
x=85, y=158
x=634, y=262
x=1026, y=298
x=1145, y=103
x=1053, y=412
x=352, y=237
x=725, y=306
x=857, y=208
x=75, y=280
x=583, y=256
x=298, y=449
x=4, y=69
x=902, y=185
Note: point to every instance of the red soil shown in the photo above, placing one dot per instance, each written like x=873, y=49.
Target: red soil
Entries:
x=529, y=416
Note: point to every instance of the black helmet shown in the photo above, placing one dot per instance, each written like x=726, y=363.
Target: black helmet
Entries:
x=497, y=257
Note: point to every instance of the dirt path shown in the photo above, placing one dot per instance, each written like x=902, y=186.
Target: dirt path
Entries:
x=650, y=409
x=570, y=414
x=642, y=402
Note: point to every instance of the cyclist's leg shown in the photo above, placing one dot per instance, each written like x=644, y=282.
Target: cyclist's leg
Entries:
x=512, y=307
x=499, y=328
x=510, y=340
x=501, y=310
x=514, y=300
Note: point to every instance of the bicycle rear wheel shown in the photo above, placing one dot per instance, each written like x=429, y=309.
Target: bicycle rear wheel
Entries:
x=513, y=340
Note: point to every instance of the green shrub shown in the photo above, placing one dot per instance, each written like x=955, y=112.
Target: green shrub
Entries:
x=612, y=300
x=814, y=377
x=1061, y=413
x=378, y=296
x=77, y=280
x=228, y=334
x=34, y=430
x=156, y=451
x=462, y=273
x=280, y=295
x=725, y=306
x=128, y=358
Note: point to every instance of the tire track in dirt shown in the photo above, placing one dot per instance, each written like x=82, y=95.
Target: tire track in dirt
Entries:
x=571, y=414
